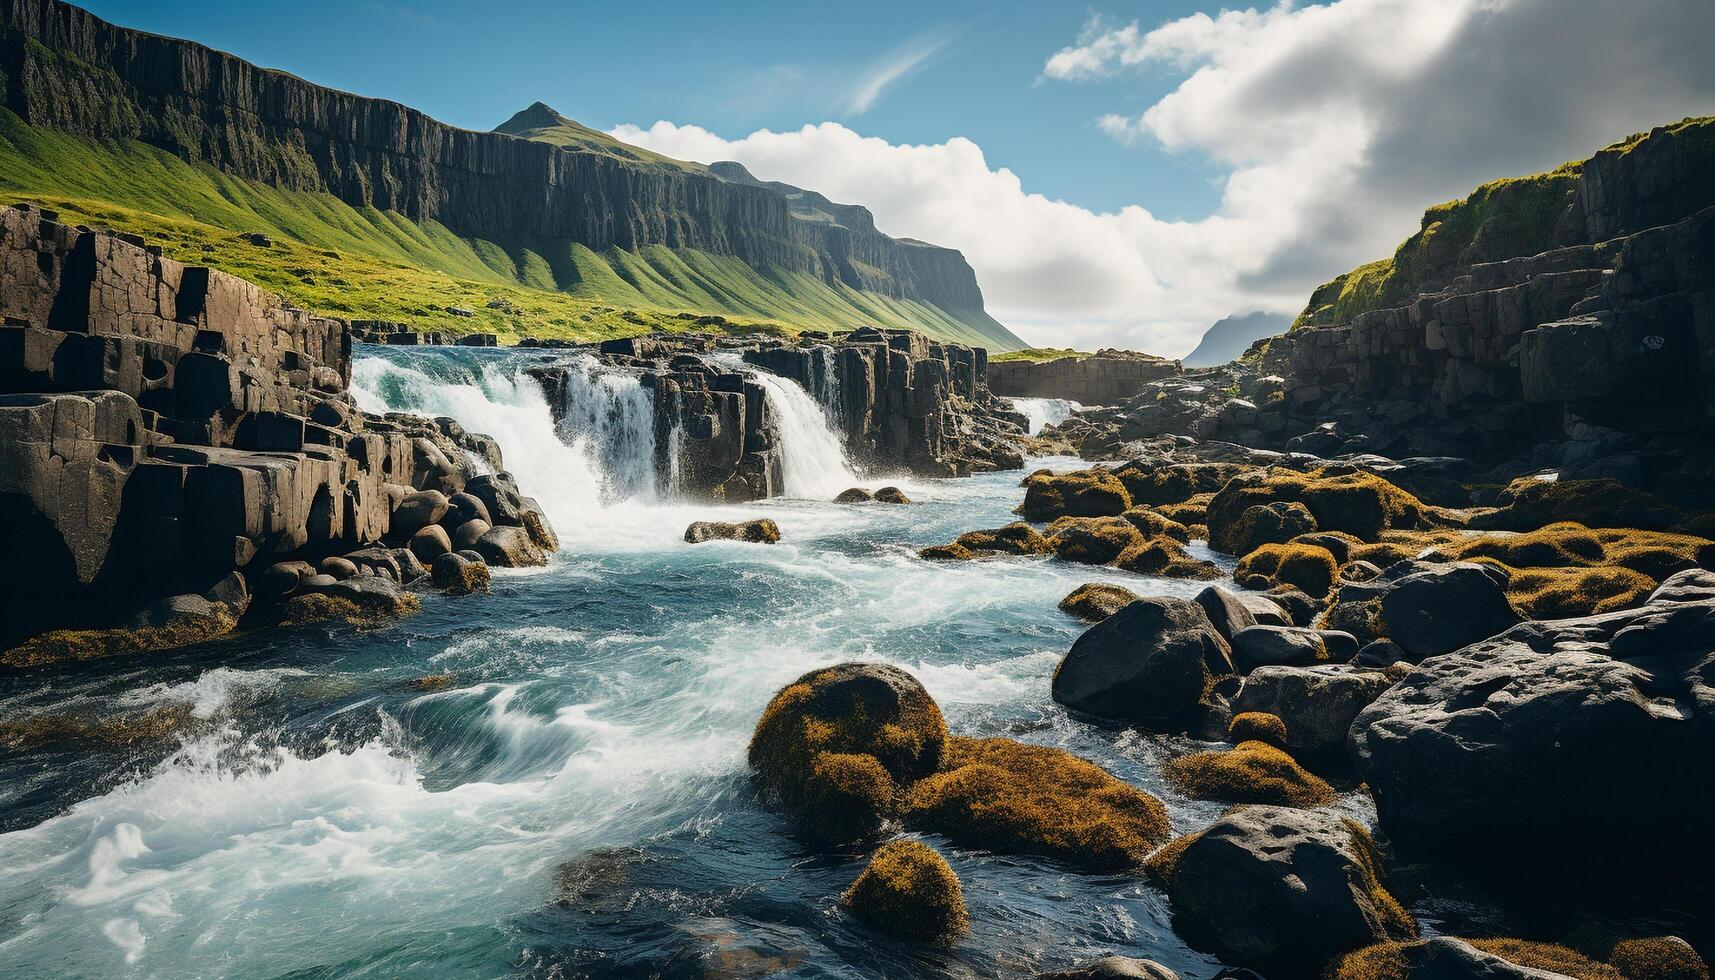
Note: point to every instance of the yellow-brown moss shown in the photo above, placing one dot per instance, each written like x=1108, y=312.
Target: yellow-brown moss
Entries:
x=1250, y=772
x=1548, y=956
x=1192, y=510
x=1094, y=602
x=120, y=730
x=1152, y=524
x=1360, y=504
x=60, y=646
x=1175, y=483
x=1094, y=492
x=1395, y=918
x=1257, y=726
x=809, y=748
x=1657, y=958
x=1006, y=796
x=1301, y=566
x=1092, y=540
x=1530, y=503
x=1165, y=558
x=316, y=607
x=1017, y=538
x=909, y=889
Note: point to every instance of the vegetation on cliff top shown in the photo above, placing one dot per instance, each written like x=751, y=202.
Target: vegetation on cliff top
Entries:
x=1039, y=354
x=367, y=264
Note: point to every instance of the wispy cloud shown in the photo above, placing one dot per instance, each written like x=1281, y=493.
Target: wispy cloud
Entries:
x=895, y=66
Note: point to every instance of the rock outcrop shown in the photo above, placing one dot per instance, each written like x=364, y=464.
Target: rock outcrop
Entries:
x=163, y=426
x=1105, y=378
x=69, y=70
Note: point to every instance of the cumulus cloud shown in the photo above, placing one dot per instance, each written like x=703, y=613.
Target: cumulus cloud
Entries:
x=1335, y=124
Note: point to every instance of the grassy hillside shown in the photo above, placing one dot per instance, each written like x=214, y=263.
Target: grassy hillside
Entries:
x=1039, y=354
x=368, y=264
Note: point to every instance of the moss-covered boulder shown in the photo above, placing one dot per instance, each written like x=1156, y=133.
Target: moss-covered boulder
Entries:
x=1251, y=772
x=1165, y=558
x=1009, y=797
x=1280, y=889
x=1306, y=567
x=1153, y=524
x=1257, y=726
x=1017, y=538
x=1114, y=968
x=1360, y=504
x=910, y=890
x=759, y=531
x=1174, y=483
x=1657, y=958
x=1444, y=957
x=834, y=747
x=455, y=574
x=1276, y=522
x=1094, y=601
x=1094, y=492
x=1092, y=540
x=1530, y=503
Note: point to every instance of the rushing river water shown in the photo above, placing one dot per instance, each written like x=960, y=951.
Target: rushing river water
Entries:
x=318, y=813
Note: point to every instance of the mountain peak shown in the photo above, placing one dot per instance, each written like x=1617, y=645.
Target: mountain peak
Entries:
x=539, y=115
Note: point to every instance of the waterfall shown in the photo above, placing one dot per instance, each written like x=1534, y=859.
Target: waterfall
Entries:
x=610, y=418
x=813, y=458
x=1045, y=411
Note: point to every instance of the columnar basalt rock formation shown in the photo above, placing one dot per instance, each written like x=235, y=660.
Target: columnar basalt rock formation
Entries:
x=1105, y=378
x=164, y=425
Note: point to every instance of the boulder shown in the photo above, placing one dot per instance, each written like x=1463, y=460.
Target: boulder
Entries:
x=1512, y=753
x=282, y=578
x=1306, y=567
x=1230, y=612
x=509, y=547
x=500, y=496
x=362, y=599
x=761, y=531
x=891, y=495
x=834, y=747
x=340, y=568
x=1114, y=968
x=417, y=511
x=1690, y=585
x=455, y=574
x=1427, y=608
x=1280, y=889
x=1447, y=958
x=1276, y=522
x=430, y=543
x=1149, y=663
x=1315, y=703
x=907, y=888
x=1294, y=646
x=1085, y=493
x=469, y=533
x=856, y=495
x=464, y=507
x=1095, y=602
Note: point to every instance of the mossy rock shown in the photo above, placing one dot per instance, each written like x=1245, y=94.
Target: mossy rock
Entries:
x=1009, y=797
x=1306, y=567
x=810, y=746
x=61, y=646
x=1658, y=958
x=1092, y=540
x=1094, y=492
x=1190, y=511
x=1017, y=538
x=1403, y=960
x=1528, y=504
x=908, y=888
x=1360, y=504
x=1257, y=726
x=1276, y=522
x=1165, y=558
x=1152, y=524
x=1174, y=483
x=1251, y=772
x=1094, y=602
x=370, y=608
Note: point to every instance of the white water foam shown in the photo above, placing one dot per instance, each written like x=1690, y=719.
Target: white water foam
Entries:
x=812, y=455
x=1045, y=411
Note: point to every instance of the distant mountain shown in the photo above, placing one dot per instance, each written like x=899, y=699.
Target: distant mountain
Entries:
x=1231, y=336
x=376, y=210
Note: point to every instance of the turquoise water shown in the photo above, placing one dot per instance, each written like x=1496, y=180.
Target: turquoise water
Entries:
x=323, y=816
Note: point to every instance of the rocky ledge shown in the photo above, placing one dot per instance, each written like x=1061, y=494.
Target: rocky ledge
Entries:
x=178, y=451
x=899, y=402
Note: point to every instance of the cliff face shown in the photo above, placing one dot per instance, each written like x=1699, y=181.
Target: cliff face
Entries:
x=63, y=68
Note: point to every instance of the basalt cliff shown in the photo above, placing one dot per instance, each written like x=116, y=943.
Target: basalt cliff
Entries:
x=64, y=69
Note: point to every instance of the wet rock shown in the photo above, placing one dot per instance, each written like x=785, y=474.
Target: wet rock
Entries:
x=1427, y=608
x=891, y=495
x=1512, y=752
x=455, y=574
x=338, y=567
x=1231, y=612
x=1114, y=968
x=856, y=495
x=1447, y=958
x=1095, y=602
x=1086, y=493
x=509, y=547
x=1017, y=538
x=1316, y=704
x=462, y=508
x=361, y=600
x=762, y=531
x=1149, y=663
x=908, y=888
x=500, y=496
x=1280, y=889
x=282, y=578
x=469, y=533
x=834, y=747
x=535, y=523
x=1276, y=522
x=1294, y=646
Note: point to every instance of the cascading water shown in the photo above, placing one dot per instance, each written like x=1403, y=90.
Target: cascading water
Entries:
x=1045, y=411
x=610, y=418
x=813, y=457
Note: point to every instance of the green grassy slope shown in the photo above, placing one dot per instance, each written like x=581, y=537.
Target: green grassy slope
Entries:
x=369, y=264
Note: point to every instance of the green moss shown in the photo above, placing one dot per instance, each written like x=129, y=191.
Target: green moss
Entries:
x=1529, y=503
x=1006, y=796
x=1361, y=504
x=1393, y=960
x=1039, y=354
x=1251, y=772
x=316, y=608
x=909, y=889
x=1175, y=483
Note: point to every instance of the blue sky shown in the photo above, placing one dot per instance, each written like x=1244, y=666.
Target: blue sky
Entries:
x=1117, y=174
x=731, y=68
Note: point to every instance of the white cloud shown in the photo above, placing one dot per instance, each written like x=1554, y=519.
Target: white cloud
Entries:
x=894, y=67
x=1335, y=124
